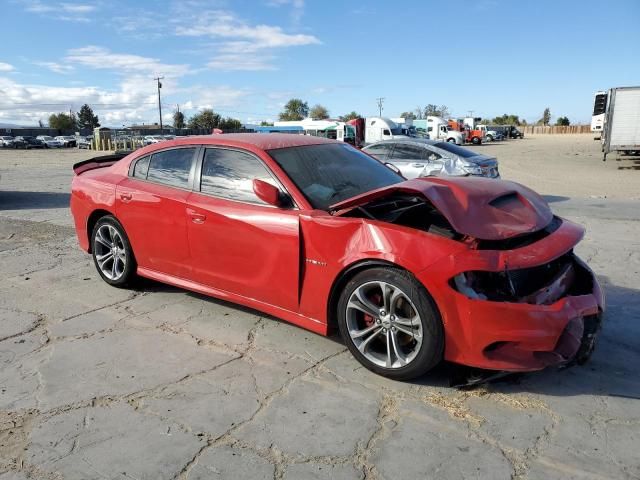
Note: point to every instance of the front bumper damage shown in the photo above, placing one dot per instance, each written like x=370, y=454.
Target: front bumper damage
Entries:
x=536, y=306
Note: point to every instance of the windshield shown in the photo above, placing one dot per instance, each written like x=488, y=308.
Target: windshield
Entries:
x=455, y=149
x=327, y=174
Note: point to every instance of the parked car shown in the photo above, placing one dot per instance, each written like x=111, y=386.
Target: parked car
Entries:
x=84, y=142
x=514, y=132
x=6, y=141
x=49, y=142
x=150, y=139
x=28, y=142
x=419, y=157
x=67, y=140
x=473, y=270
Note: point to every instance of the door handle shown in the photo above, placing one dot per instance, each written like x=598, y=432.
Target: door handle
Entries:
x=126, y=197
x=418, y=165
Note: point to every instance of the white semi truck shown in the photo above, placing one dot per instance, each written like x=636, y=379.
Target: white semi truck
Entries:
x=377, y=129
x=621, y=127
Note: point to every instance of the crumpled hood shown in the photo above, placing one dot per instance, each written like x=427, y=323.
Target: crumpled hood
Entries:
x=482, y=208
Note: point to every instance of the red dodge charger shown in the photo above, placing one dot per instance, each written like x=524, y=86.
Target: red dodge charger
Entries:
x=475, y=271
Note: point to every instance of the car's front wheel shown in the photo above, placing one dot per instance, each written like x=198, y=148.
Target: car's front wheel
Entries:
x=112, y=253
x=390, y=323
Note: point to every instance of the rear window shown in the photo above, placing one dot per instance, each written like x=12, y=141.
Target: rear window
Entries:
x=455, y=149
x=171, y=167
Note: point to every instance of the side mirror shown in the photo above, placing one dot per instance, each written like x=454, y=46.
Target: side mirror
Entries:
x=269, y=193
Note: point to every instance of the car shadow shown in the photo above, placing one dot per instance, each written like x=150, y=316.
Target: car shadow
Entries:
x=18, y=200
x=612, y=370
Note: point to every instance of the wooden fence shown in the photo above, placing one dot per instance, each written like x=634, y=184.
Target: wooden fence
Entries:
x=539, y=129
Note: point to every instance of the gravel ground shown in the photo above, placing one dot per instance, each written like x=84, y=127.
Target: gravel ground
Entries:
x=157, y=383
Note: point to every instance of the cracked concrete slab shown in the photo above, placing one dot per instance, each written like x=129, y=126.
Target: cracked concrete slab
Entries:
x=314, y=417
x=111, y=441
x=425, y=442
x=118, y=363
x=162, y=383
x=227, y=462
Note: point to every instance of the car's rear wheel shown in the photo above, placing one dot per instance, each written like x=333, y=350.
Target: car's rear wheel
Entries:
x=112, y=253
x=390, y=323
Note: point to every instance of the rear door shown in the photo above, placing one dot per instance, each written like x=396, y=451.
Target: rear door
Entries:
x=238, y=243
x=151, y=205
x=411, y=159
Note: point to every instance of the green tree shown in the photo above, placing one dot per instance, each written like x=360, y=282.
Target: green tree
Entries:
x=507, y=119
x=432, y=110
x=563, y=121
x=546, y=117
x=229, y=124
x=178, y=119
x=350, y=116
x=408, y=115
x=86, y=118
x=295, y=109
x=206, y=119
x=264, y=123
x=62, y=121
x=319, y=112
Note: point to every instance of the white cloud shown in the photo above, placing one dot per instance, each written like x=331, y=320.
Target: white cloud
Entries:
x=72, y=12
x=296, y=8
x=241, y=45
x=125, y=63
x=5, y=67
x=225, y=25
x=56, y=67
x=133, y=101
x=235, y=61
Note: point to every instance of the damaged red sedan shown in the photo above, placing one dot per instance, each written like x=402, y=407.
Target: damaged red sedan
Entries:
x=475, y=271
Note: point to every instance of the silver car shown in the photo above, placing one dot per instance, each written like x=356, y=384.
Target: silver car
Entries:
x=419, y=157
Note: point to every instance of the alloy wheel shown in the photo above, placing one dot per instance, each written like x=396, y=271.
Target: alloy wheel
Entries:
x=384, y=324
x=110, y=252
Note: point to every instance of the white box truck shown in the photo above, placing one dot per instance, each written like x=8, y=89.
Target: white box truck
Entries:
x=621, y=129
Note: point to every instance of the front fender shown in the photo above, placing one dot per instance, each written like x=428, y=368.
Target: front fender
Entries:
x=330, y=245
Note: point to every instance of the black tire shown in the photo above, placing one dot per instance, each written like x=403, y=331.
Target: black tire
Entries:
x=129, y=272
x=430, y=352
x=490, y=138
x=476, y=141
x=451, y=140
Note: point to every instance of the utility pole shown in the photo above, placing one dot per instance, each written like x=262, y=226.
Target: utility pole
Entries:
x=157, y=79
x=470, y=112
x=380, y=101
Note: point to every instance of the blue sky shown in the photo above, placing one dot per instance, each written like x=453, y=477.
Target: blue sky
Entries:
x=246, y=58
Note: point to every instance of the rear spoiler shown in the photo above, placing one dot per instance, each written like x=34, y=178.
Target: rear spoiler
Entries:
x=99, y=162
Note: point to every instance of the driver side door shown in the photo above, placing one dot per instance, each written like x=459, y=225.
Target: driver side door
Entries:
x=239, y=243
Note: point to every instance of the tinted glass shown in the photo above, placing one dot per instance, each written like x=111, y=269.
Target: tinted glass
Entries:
x=405, y=151
x=230, y=174
x=171, y=167
x=327, y=174
x=455, y=149
x=379, y=151
x=141, y=167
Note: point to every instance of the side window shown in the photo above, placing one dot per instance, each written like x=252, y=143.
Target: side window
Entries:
x=386, y=132
x=141, y=167
x=405, y=151
x=431, y=155
x=230, y=174
x=171, y=167
x=379, y=151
